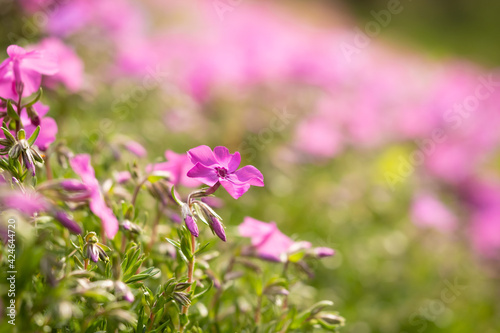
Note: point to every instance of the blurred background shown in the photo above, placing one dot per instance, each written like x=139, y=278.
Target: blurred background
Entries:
x=375, y=124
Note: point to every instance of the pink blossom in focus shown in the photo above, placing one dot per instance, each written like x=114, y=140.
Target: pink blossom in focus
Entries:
x=82, y=167
x=23, y=70
x=220, y=166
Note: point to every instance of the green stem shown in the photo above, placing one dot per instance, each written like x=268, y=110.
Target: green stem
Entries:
x=136, y=191
x=154, y=232
x=185, y=309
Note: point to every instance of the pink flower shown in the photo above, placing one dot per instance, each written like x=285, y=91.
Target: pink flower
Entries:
x=28, y=203
x=220, y=166
x=268, y=241
x=122, y=177
x=135, y=148
x=70, y=65
x=81, y=166
x=271, y=244
x=23, y=70
x=178, y=166
x=427, y=211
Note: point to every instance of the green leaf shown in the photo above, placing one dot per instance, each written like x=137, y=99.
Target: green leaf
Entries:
x=146, y=274
x=8, y=135
x=201, y=293
x=203, y=249
x=11, y=112
x=36, y=99
x=140, y=327
x=179, y=202
x=34, y=136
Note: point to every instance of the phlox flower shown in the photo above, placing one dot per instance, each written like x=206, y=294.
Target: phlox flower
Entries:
x=82, y=167
x=23, y=70
x=28, y=203
x=219, y=166
x=70, y=65
x=271, y=244
x=177, y=165
x=135, y=148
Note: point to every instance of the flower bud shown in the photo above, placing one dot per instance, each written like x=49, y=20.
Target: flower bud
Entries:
x=189, y=220
x=33, y=115
x=123, y=291
x=94, y=250
x=73, y=185
x=322, y=252
x=218, y=228
x=65, y=220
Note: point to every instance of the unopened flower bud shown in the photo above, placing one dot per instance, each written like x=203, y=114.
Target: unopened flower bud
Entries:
x=322, y=252
x=73, y=185
x=33, y=115
x=218, y=228
x=189, y=220
x=67, y=222
x=123, y=291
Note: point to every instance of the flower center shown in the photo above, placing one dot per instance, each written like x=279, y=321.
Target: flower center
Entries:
x=221, y=172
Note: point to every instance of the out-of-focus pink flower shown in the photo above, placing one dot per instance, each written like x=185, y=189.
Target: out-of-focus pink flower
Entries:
x=177, y=166
x=318, y=137
x=484, y=203
x=135, y=148
x=427, y=211
x=70, y=65
x=220, y=166
x=268, y=242
x=485, y=231
x=122, y=177
x=82, y=167
x=23, y=71
x=27, y=203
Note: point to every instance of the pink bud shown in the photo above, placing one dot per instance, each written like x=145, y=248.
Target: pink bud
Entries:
x=218, y=228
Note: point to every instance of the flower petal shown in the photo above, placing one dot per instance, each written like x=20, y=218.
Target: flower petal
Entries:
x=41, y=61
x=205, y=174
x=250, y=175
x=108, y=219
x=234, y=190
x=14, y=50
x=202, y=154
x=222, y=155
x=234, y=163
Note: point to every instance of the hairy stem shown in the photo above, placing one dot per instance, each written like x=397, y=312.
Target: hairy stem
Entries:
x=190, y=275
